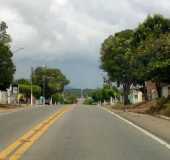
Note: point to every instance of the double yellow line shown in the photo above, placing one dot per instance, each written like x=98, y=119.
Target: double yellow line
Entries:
x=22, y=144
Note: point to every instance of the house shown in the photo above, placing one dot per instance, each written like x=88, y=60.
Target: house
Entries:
x=135, y=96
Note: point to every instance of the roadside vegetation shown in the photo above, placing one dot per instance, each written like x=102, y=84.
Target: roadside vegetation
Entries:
x=102, y=95
x=7, y=67
x=132, y=57
x=161, y=107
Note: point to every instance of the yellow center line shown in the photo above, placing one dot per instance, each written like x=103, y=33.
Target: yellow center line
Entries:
x=22, y=144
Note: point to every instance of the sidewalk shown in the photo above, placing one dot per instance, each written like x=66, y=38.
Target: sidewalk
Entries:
x=157, y=126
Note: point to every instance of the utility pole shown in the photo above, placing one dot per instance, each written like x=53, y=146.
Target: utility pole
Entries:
x=44, y=88
x=82, y=96
x=18, y=98
x=31, y=86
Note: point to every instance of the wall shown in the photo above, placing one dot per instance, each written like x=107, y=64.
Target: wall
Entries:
x=3, y=97
x=166, y=91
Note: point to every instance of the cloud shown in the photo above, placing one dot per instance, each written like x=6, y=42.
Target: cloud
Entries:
x=68, y=33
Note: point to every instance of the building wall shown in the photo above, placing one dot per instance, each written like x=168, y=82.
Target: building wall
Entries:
x=136, y=97
x=3, y=97
x=166, y=91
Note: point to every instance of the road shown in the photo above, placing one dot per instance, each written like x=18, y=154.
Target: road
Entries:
x=79, y=133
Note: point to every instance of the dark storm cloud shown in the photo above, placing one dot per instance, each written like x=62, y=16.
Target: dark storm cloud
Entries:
x=68, y=33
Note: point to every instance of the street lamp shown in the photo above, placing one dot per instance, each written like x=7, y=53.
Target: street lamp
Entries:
x=32, y=69
x=18, y=49
x=15, y=51
x=44, y=81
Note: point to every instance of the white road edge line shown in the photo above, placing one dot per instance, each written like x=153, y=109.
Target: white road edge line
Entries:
x=154, y=137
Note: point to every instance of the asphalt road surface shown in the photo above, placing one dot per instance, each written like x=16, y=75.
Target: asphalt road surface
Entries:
x=83, y=133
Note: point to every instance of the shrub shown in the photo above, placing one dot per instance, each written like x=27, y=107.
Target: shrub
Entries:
x=166, y=111
x=57, y=98
x=70, y=99
x=161, y=102
x=160, y=107
x=89, y=101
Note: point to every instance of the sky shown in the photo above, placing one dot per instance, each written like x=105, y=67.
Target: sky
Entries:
x=68, y=34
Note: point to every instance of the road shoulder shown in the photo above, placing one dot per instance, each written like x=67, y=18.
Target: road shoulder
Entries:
x=157, y=126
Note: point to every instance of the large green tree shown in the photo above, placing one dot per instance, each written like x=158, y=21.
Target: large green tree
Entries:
x=151, y=46
x=51, y=80
x=7, y=67
x=116, y=62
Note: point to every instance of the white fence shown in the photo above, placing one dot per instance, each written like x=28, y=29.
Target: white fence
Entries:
x=3, y=97
x=7, y=97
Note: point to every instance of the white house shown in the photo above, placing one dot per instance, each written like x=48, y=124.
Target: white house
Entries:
x=136, y=96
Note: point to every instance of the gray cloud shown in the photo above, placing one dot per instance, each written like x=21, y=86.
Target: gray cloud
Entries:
x=68, y=33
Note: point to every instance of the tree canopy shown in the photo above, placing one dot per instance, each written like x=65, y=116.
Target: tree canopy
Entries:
x=115, y=59
x=7, y=68
x=25, y=88
x=51, y=80
x=105, y=93
x=132, y=57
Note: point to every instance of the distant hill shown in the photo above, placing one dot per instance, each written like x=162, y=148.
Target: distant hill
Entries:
x=78, y=92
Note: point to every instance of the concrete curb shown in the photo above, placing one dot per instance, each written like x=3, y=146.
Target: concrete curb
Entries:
x=163, y=117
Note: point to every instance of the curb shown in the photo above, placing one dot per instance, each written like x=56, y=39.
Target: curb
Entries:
x=163, y=117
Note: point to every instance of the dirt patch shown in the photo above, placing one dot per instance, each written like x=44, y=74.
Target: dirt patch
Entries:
x=157, y=107
x=5, y=107
x=143, y=107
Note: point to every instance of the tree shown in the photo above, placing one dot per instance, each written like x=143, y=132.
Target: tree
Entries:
x=105, y=93
x=7, y=68
x=57, y=98
x=70, y=99
x=97, y=95
x=23, y=81
x=153, y=26
x=151, y=44
x=115, y=60
x=134, y=57
x=51, y=80
x=4, y=37
x=25, y=89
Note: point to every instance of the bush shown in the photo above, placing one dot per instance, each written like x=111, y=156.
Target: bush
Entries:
x=26, y=90
x=161, y=102
x=161, y=107
x=166, y=111
x=70, y=99
x=89, y=101
x=57, y=98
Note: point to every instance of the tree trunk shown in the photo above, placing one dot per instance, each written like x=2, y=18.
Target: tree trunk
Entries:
x=144, y=91
x=158, y=87
x=126, y=90
x=145, y=94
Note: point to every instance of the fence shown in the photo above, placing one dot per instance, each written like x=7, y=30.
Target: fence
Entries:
x=3, y=97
